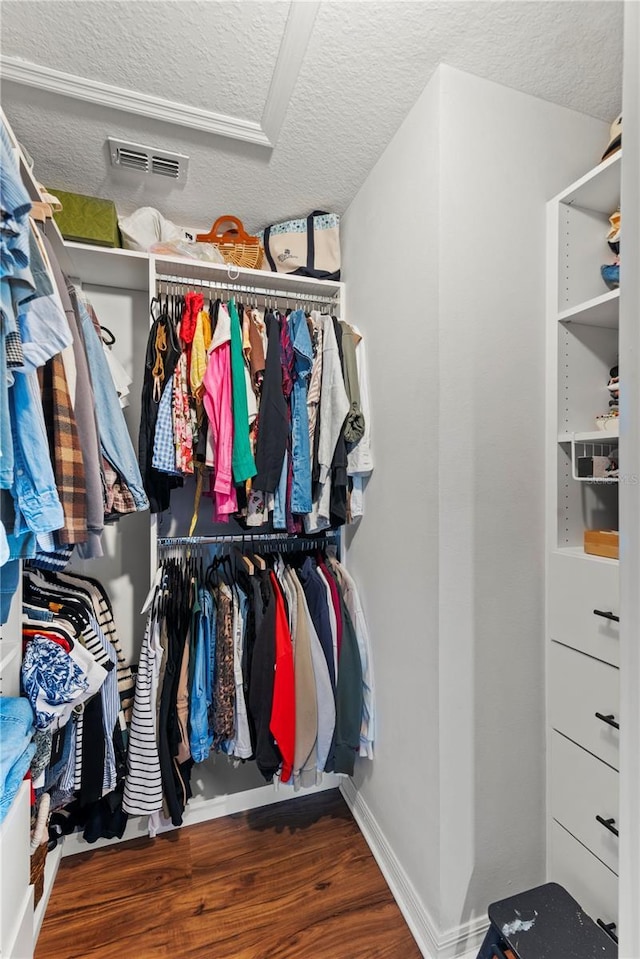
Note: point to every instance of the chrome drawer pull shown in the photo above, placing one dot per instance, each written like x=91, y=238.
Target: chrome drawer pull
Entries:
x=609, y=928
x=606, y=615
x=609, y=720
x=608, y=824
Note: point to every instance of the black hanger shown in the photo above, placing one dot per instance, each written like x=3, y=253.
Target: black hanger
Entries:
x=211, y=575
x=108, y=342
x=156, y=301
x=229, y=570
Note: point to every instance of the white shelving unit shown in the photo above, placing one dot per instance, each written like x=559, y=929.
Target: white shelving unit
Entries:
x=582, y=591
x=16, y=893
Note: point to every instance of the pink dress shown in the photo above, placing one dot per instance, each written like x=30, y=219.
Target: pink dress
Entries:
x=217, y=403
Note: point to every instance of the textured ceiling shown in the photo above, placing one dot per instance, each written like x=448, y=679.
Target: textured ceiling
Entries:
x=365, y=66
x=189, y=52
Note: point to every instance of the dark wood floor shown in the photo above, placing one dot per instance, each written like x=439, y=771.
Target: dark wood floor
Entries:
x=290, y=881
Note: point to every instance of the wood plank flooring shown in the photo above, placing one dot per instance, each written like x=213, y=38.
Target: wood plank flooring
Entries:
x=291, y=881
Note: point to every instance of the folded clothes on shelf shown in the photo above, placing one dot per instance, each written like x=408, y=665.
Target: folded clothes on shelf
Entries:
x=16, y=735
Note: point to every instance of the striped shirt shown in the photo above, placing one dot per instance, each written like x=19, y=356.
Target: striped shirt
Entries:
x=143, y=783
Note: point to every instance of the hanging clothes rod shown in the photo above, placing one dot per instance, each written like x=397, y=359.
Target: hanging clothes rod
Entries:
x=256, y=539
x=255, y=290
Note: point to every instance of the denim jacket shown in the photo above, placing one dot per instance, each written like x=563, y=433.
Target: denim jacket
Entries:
x=36, y=499
x=303, y=350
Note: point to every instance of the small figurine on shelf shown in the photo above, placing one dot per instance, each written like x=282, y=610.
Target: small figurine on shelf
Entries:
x=608, y=422
x=611, y=271
x=614, y=389
x=611, y=471
x=615, y=139
x=613, y=236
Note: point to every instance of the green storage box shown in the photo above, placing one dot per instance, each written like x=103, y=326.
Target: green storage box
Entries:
x=87, y=219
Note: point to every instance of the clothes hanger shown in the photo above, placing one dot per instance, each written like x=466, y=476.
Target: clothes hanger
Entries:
x=41, y=211
x=244, y=559
x=211, y=574
x=229, y=570
x=258, y=561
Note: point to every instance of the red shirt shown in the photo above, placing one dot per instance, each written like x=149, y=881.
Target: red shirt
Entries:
x=283, y=710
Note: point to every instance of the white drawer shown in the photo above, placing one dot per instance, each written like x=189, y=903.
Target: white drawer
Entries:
x=580, y=687
x=589, y=881
x=14, y=869
x=583, y=787
x=577, y=587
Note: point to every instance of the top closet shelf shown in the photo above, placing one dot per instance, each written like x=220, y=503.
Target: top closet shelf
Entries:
x=130, y=270
x=229, y=275
x=598, y=190
x=599, y=311
x=103, y=266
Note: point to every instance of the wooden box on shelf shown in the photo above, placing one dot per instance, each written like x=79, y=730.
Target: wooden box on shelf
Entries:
x=602, y=542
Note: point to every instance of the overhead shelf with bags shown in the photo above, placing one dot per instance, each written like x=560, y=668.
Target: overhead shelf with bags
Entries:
x=308, y=246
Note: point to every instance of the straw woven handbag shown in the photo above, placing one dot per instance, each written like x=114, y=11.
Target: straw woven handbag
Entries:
x=234, y=245
x=38, y=860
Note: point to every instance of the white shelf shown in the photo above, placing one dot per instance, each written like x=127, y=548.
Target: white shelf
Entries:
x=104, y=266
x=599, y=311
x=577, y=552
x=231, y=276
x=597, y=190
x=596, y=436
x=129, y=270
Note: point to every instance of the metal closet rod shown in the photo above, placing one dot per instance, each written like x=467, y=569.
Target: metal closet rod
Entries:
x=257, y=539
x=257, y=291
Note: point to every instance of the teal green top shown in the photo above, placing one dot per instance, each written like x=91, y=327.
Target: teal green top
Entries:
x=243, y=463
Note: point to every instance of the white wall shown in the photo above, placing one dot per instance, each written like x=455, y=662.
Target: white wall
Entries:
x=391, y=225
x=629, y=915
x=450, y=553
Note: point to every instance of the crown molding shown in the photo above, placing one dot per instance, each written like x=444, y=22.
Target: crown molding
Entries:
x=292, y=50
x=130, y=101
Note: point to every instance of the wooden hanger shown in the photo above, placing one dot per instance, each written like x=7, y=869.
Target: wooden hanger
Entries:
x=41, y=211
x=244, y=559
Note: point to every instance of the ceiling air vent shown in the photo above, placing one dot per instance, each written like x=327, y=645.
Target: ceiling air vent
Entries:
x=142, y=159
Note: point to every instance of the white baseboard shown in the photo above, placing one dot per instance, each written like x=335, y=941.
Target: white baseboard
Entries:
x=459, y=942
x=202, y=810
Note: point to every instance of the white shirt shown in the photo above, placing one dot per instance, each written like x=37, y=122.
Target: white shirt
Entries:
x=334, y=406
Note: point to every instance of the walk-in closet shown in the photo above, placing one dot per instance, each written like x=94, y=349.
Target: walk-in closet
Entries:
x=319, y=500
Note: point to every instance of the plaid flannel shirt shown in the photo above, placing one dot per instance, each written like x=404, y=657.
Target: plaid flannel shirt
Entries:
x=66, y=454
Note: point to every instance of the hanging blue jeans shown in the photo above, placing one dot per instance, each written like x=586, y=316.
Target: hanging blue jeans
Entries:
x=201, y=737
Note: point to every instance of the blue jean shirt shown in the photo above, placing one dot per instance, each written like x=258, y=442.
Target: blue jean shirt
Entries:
x=303, y=350
x=36, y=499
x=6, y=441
